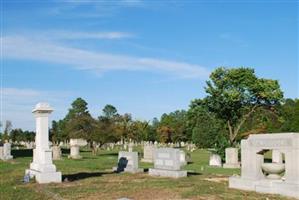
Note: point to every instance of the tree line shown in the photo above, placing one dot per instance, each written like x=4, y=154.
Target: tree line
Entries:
x=237, y=104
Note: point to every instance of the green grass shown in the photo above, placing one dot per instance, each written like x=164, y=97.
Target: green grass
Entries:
x=91, y=178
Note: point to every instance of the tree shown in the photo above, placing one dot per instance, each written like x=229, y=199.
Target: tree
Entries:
x=104, y=128
x=173, y=127
x=235, y=94
x=109, y=111
x=289, y=111
x=7, y=130
x=203, y=125
x=78, y=121
x=57, y=131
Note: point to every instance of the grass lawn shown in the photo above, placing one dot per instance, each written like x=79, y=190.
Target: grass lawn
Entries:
x=92, y=178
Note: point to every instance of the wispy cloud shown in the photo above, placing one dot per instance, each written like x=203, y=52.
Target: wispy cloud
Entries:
x=19, y=102
x=75, y=35
x=18, y=47
x=92, y=8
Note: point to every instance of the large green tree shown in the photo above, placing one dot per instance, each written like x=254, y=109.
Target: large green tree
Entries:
x=235, y=94
x=78, y=121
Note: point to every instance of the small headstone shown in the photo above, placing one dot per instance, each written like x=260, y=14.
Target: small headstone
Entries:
x=5, y=151
x=148, y=153
x=56, y=151
x=127, y=162
x=215, y=160
x=231, y=158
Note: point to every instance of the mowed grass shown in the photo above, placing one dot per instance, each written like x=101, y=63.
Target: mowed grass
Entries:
x=92, y=178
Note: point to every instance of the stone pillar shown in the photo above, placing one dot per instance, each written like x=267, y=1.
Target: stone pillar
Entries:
x=75, y=147
x=231, y=158
x=251, y=162
x=42, y=166
x=56, y=152
x=276, y=156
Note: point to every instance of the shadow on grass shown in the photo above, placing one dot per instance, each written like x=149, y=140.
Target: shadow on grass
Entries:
x=193, y=174
x=83, y=175
x=17, y=153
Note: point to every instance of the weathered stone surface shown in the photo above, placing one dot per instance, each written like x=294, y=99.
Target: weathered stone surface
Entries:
x=167, y=173
x=42, y=166
x=127, y=162
x=56, y=152
x=183, y=160
x=5, y=151
x=148, y=153
x=276, y=156
x=75, y=148
x=215, y=160
x=167, y=163
x=252, y=177
x=231, y=158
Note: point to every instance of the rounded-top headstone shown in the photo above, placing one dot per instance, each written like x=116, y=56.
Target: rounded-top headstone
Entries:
x=42, y=107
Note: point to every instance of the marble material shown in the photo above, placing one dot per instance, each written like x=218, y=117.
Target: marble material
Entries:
x=127, y=162
x=148, y=153
x=167, y=163
x=252, y=177
x=42, y=167
x=215, y=160
x=56, y=152
x=231, y=158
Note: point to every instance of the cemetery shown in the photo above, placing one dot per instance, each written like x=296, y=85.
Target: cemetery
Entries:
x=269, y=165
x=149, y=100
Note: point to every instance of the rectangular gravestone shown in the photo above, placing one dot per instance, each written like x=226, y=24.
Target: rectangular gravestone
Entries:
x=148, y=153
x=127, y=162
x=167, y=163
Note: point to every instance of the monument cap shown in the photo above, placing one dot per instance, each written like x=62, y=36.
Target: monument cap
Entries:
x=42, y=107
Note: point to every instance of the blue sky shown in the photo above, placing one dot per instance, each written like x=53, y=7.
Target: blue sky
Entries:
x=144, y=57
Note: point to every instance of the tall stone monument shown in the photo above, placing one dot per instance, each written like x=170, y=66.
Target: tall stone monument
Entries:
x=42, y=167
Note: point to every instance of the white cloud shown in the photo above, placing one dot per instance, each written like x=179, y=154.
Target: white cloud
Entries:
x=72, y=35
x=17, y=47
x=19, y=102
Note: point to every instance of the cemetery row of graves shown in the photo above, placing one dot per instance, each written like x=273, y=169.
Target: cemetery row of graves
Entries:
x=236, y=145
x=279, y=176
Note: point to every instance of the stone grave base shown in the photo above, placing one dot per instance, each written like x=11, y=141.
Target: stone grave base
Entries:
x=6, y=158
x=45, y=177
x=265, y=186
x=232, y=166
x=167, y=173
x=147, y=160
x=129, y=170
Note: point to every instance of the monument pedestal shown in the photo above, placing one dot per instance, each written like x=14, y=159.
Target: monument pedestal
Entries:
x=265, y=186
x=42, y=167
x=167, y=173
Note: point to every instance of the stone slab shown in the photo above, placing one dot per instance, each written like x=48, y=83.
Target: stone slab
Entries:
x=52, y=177
x=167, y=173
x=265, y=186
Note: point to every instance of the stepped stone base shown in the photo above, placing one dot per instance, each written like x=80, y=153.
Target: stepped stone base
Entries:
x=167, y=173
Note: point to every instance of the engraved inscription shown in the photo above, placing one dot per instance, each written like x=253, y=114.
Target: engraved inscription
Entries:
x=271, y=143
